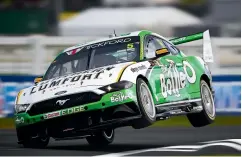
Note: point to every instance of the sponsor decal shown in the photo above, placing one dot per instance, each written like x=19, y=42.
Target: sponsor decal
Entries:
x=120, y=97
x=110, y=42
x=61, y=92
x=173, y=80
x=64, y=112
x=136, y=69
x=179, y=39
x=72, y=110
x=69, y=80
x=52, y=115
x=61, y=102
x=19, y=120
x=73, y=52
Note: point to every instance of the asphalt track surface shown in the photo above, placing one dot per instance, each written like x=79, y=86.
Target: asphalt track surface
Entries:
x=153, y=141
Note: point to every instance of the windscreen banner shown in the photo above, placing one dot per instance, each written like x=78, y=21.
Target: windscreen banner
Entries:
x=227, y=93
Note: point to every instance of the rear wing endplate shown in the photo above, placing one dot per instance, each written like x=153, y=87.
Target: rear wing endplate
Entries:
x=207, y=46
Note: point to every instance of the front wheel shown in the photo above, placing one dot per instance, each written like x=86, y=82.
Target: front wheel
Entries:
x=101, y=138
x=146, y=105
x=39, y=142
x=208, y=114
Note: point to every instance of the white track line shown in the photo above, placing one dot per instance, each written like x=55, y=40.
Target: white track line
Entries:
x=182, y=148
x=238, y=141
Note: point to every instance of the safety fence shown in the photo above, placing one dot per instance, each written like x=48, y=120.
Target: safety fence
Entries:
x=33, y=54
x=227, y=92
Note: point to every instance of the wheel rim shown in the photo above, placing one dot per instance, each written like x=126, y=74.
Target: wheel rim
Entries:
x=208, y=101
x=45, y=137
x=108, y=133
x=146, y=100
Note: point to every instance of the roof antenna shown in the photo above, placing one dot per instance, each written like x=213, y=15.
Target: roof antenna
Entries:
x=113, y=35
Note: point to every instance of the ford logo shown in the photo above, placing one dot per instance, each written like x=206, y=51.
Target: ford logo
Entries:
x=61, y=92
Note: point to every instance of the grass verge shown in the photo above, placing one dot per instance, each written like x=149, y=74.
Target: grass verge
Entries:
x=8, y=123
x=183, y=121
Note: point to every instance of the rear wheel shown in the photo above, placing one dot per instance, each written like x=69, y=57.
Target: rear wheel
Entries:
x=208, y=114
x=101, y=138
x=146, y=105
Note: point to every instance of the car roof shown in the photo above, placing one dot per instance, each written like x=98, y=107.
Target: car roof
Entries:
x=136, y=33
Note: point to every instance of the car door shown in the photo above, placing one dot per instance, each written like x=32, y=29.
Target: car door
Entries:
x=175, y=83
x=187, y=73
x=167, y=83
x=150, y=46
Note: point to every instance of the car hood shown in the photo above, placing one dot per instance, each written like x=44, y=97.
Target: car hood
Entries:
x=89, y=80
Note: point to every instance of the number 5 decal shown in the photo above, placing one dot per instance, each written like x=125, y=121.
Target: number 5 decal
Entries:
x=130, y=45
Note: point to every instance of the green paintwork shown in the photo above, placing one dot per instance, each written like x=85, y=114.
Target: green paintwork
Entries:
x=190, y=91
x=181, y=40
x=142, y=35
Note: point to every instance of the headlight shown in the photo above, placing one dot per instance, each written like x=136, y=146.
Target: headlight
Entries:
x=117, y=86
x=21, y=108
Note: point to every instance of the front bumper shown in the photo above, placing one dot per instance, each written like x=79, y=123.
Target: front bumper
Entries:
x=81, y=124
x=108, y=100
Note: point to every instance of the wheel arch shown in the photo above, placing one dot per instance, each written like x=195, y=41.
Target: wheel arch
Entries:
x=209, y=82
x=206, y=79
x=146, y=81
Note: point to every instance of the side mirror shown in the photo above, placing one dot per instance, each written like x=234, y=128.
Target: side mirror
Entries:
x=38, y=79
x=161, y=52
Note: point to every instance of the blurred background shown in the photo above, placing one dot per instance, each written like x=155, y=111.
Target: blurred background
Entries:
x=33, y=32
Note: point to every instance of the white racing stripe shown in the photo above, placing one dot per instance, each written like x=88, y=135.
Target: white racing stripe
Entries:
x=182, y=148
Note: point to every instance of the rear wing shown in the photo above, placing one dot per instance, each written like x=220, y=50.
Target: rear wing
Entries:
x=207, y=46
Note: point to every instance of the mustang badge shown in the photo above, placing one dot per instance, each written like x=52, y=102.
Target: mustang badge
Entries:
x=61, y=102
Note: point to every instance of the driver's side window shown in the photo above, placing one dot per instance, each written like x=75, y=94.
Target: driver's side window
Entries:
x=153, y=43
x=171, y=48
x=150, y=47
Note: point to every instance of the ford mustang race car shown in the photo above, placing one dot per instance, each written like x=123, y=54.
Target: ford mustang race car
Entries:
x=133, y=80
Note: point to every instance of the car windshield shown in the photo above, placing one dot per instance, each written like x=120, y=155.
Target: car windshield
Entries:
x=94, y=55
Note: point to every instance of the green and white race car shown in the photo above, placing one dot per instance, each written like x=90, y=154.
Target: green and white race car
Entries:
x=133, y=80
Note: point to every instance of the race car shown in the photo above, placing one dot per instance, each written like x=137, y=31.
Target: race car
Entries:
x=133, y=79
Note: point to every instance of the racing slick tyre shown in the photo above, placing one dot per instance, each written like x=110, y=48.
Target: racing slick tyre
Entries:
x=208, y=114
x=101, y=138
x=39, y=142
x=146, y=105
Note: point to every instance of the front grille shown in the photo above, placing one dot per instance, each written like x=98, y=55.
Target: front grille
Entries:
x=74, y=100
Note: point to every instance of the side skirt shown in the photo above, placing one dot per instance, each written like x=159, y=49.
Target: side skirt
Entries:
x=166, y=110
